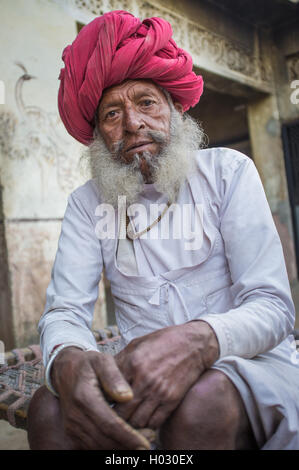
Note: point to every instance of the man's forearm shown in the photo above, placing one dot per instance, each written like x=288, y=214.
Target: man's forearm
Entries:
x=58, y=332
x=252, y=328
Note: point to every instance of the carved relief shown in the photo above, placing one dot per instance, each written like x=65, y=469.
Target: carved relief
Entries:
x=93, y=6
x=126, y=5
x=99, y=7
x=34, y=133
x=195, y=38
x=179, y=25
x=227, y=54
x=201, y=41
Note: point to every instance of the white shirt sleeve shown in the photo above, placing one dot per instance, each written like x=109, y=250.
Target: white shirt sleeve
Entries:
x=264, y=312
x=73, y=289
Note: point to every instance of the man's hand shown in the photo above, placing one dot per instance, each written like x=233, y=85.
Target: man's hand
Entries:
x=82, y=379
x=161, y=367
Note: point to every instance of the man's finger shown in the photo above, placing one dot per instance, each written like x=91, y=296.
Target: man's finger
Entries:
x=142, y=414
x=97, y=413
x=111, y=379
x=159, y=416
x=149, y=434
x=125, y=410
x=88, y=438
x=113, y=427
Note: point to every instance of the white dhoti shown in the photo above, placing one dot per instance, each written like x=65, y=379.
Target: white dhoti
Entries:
x=268, y=385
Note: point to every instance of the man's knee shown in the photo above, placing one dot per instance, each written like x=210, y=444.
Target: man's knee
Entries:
x=208, y=414
x=44, y=418
x=213, y=401
x=43, y=407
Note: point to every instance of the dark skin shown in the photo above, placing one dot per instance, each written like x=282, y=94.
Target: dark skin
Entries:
x=84, y=382
x=159, y=385
x=127, y=112
x=145, y=388
x=155, y=380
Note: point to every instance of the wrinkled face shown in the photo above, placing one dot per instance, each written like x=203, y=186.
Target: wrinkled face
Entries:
x=141, y=138
x=127, y=114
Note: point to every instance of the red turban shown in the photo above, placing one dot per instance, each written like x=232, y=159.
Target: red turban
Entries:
x=115, y=47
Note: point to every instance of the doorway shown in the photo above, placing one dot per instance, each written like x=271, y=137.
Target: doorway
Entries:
x=224, y=120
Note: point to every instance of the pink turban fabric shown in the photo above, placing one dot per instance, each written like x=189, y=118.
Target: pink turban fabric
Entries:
x=115, y=47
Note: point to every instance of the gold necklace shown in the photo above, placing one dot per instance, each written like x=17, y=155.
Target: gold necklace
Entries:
x=132, y=235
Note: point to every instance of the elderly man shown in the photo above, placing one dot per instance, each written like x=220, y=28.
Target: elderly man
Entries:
x=205, y=313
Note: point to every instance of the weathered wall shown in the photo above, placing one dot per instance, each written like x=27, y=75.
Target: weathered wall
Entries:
x=266, y=116
x=265, y=131
x=39, y=161
x=6, y=323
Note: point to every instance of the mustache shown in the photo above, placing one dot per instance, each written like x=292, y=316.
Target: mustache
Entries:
x=157, y=136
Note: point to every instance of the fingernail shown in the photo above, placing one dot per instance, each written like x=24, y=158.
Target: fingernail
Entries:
x=123, y=389
x=124, y=394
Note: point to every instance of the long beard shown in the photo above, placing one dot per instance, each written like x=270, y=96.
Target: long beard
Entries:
x=168, y=170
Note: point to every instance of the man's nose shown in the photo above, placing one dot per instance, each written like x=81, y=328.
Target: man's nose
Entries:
x=133, y=121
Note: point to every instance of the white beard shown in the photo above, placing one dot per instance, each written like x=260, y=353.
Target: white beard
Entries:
x=169, y=169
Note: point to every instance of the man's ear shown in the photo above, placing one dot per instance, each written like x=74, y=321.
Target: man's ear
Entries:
x=179, y=107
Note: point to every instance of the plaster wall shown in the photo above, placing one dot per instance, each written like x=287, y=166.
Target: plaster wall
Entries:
x=38, y=161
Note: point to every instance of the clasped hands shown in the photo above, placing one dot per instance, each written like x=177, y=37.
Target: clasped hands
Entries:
x=147, y=380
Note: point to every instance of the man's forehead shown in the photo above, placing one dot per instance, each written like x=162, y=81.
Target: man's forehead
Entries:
x=130, y=87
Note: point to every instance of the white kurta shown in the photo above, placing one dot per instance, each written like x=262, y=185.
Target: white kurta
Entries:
x=235, y=280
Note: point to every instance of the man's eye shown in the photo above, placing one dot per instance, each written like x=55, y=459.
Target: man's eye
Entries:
x=110, y=115
x=147, y=102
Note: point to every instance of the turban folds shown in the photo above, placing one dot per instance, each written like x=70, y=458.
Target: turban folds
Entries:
x=115, y=47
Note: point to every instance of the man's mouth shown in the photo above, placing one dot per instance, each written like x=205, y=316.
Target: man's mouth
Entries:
x=138, y=145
